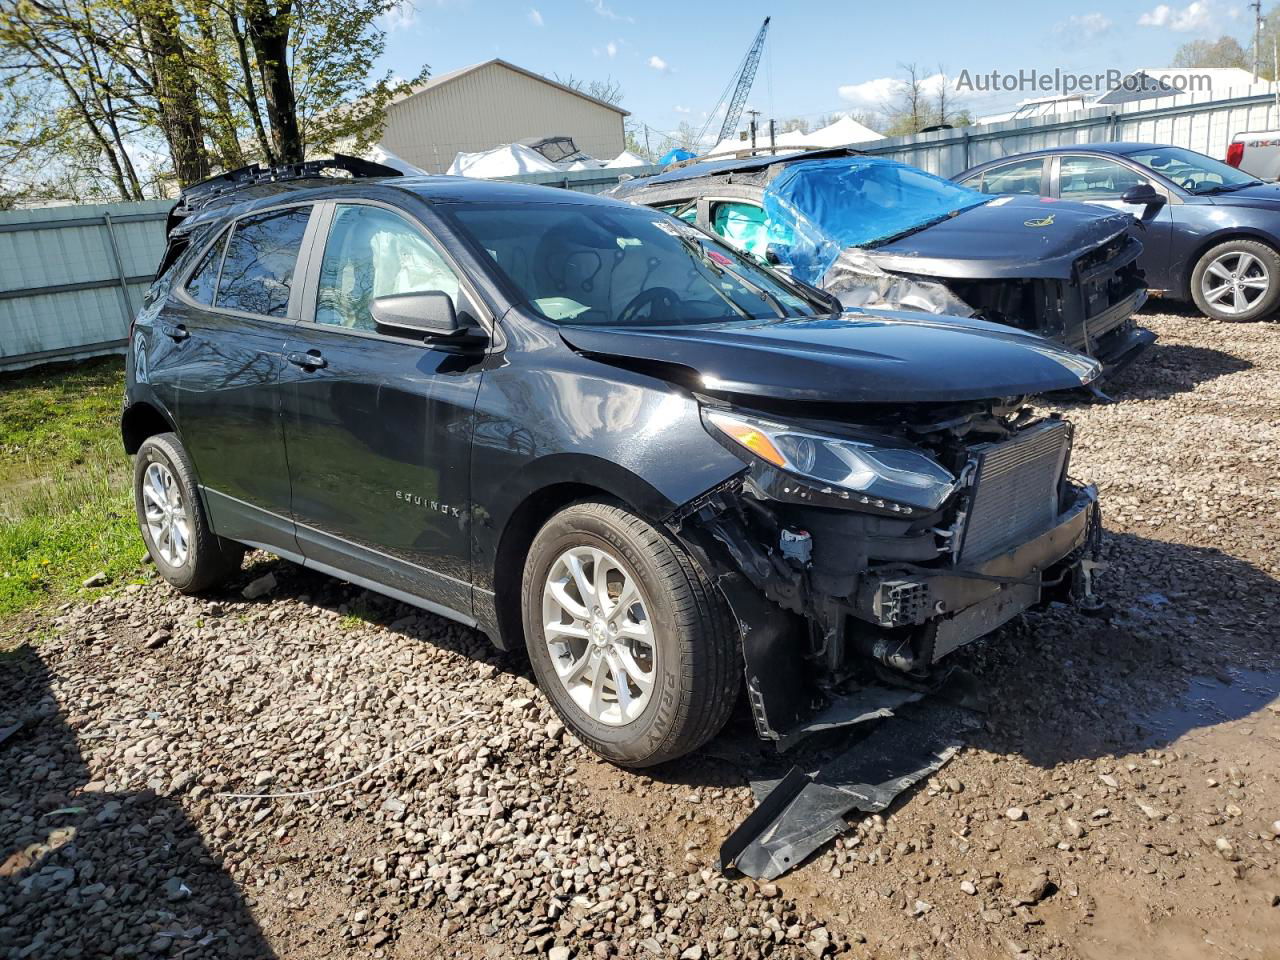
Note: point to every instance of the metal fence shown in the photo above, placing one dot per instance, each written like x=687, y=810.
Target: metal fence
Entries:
x=71, y=278
x=1191, y=121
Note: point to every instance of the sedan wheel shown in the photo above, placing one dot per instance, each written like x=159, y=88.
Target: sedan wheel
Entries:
x=1237, y=280
x=599, y=635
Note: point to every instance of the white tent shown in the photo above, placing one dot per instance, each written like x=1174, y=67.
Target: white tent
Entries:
x=844, y=131
x=380, y=154
x=504, y=161
x=626, y=159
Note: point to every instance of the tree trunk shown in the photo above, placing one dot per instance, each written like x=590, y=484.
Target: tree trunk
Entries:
x=251, y=93
x=226, y=136
x=177, y=97
x=269, y=33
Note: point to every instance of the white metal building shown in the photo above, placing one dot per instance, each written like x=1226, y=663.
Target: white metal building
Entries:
x=493, y=103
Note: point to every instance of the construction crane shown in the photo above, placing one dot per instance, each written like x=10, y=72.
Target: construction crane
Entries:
x=740, y=83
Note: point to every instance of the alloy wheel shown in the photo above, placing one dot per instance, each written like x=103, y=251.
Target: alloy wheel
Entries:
x=597, y=629
x=1235, y=282
x=166, y=514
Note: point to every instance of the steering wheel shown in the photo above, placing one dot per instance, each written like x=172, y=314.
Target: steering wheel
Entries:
x=1188, y=183
x=654, y=298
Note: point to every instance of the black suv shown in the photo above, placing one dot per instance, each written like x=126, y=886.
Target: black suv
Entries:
x=587, y=427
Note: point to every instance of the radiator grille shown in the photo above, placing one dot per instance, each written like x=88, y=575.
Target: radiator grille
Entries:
x=1015, y=493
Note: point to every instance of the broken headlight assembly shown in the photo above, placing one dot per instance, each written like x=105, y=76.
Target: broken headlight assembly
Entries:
x=898, y=479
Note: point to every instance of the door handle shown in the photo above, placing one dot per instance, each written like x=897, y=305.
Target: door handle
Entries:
x=311, y=360
x=176, y=331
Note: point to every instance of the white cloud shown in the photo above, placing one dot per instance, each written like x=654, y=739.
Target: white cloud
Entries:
x=609, y=13
x=658, y=64
x=870, y=94
x=679, y=109
x=400, y=17
x=1192, y=18
x=611, y=49
x=535, y=17
x=1086, y=26
x=882, y=93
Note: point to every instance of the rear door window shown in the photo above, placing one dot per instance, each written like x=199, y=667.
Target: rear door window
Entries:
x=1022, y=177
x=1095, y=178
x=204, y=281
x=262, y=255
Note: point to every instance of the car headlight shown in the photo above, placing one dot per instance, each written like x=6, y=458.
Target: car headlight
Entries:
x=891, y=478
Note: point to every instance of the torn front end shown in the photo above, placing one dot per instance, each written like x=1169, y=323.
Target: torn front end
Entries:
x=946, y=525
x=1090, y=310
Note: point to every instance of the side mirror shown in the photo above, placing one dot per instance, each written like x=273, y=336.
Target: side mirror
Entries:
x=430, y=314
x=1144, y=194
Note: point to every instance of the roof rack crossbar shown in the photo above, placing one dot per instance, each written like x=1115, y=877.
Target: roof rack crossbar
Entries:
x=198, y=194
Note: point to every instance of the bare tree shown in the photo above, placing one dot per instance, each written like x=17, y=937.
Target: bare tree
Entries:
x=607, y=90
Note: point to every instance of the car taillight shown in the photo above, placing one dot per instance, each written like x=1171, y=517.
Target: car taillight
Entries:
x=1235, y=153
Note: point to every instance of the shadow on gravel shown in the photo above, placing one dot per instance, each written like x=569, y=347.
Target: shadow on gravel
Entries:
x=1171, y=368
x=87, y=873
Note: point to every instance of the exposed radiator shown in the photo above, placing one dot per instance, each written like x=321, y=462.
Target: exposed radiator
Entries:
x=1015, y=492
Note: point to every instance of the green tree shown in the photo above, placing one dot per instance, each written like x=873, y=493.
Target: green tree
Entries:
x=158, y=92
x=1223, y=52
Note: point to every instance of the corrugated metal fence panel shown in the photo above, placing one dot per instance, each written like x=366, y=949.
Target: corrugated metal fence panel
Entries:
x=71, y=278
x=1190, y=121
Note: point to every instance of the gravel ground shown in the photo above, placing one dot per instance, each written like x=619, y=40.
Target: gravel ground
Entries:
x=1122, y=797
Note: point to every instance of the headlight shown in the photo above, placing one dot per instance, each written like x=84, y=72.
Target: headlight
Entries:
x=891, y=478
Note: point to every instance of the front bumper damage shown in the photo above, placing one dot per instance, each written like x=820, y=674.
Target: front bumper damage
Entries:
x=844, y=615
x=857, y=626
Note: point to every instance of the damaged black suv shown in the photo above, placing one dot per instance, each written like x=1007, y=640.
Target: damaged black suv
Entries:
x=587, y=427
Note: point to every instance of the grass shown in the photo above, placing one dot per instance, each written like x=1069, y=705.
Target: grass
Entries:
x=66, y=507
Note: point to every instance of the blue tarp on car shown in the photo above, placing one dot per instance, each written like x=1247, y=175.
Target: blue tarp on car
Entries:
x=819, y=208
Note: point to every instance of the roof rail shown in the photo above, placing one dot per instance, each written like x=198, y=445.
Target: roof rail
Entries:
x=199, y=194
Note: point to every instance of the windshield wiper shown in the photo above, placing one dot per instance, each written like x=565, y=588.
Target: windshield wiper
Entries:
x=704, y=255
x=1227, y=188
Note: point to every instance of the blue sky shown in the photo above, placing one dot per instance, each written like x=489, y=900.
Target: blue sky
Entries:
x=673, y=59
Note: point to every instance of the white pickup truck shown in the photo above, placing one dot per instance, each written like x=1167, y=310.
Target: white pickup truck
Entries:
x=1256, y=153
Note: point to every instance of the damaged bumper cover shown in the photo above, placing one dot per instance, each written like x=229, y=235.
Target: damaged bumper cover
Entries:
x=832, y=600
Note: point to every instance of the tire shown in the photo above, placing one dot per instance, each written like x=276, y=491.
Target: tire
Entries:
x=207, y=560
x=1254, y=264
x=690, y=661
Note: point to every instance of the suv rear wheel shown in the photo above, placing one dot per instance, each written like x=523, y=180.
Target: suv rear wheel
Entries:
x=186, y=552
x=629, y=641
x=1237, y=280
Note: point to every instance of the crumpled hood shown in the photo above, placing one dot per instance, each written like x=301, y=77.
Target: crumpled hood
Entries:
x=882, y=357
x=1013, y=236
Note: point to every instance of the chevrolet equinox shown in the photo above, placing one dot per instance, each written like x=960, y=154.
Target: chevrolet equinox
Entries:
x=586, y=427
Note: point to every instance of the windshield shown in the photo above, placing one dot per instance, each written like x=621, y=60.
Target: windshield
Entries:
x=818, y=208
x=1192, y=171
x=580, y=263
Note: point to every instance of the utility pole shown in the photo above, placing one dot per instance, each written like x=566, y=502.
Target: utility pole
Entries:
x=1257, y=38
x=773, y=141
x=753, y=114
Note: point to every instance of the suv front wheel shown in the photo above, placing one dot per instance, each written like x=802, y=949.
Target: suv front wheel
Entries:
x=189, y=555
x=628, y=639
